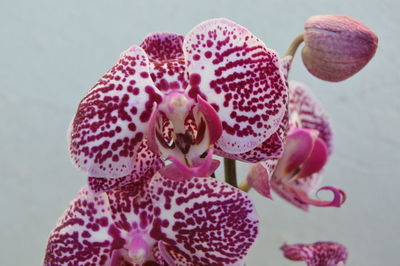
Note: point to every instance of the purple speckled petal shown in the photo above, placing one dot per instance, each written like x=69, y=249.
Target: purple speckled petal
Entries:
x=209, y=222
x=307, y=110
x=167, y=64
x=146, y=165
x=270, y=148
x=101, y=229
x=286, y=63
x=109, y=125
x=317, y=254
x=76, y=239
x=240, y=77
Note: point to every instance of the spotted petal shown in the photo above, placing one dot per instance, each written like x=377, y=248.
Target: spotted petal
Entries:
x=146, y=165
x=240, y=77
x=209, y=222
x=97, y=230
x=167, y=64
x=271, y=148
x=317, y=254
x=307, y=110
x=286, y=63
x=109, y=125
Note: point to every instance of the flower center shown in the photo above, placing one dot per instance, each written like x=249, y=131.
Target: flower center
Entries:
x=179, y=130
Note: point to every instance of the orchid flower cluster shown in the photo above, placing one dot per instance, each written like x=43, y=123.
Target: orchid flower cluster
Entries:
x=147, y=131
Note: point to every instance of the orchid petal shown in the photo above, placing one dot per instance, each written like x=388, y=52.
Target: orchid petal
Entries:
x=100, y=228
x=316, y=161
x=146, y=165
x=151, y=132
x=286, y=63
x=279, y=187
x=111, y=119
x=269, y=149
x=207, y=221
x=302, y=103
x=167, y=64
x=173, y=256
x=258, y=178
x=76, y=239
x=163, y=46
x=240, y=77
x=317, y=254
x=298, y=147
x=178, y=171
x=213, y=122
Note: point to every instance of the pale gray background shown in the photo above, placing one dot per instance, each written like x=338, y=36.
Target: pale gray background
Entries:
x=52, y=52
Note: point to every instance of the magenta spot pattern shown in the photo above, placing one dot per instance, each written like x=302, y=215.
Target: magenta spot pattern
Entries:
x=202, y=220
x=241, y=79
x=109, y=125
x=218, y=60
x=147, y=164
x=317, y=254
x=167, y=63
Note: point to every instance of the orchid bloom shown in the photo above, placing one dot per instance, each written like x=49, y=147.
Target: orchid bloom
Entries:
x=218, y=89
x=297, y=173
x=200, y=221
x=317, y=254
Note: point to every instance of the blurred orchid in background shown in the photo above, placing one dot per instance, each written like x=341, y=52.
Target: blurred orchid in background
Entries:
x=317, y=254
x=297, y=173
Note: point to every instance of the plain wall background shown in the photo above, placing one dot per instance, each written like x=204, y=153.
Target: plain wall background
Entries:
x=52, y=52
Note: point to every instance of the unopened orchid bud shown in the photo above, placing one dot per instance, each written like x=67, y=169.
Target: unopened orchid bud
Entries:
x=337, y=46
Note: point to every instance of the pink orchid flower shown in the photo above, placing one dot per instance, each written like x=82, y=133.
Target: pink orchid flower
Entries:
x=297, y=173
x=217, y=90
x=200, y=221
x=317, y=254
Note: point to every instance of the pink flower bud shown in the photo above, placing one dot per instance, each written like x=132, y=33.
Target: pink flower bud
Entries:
x=337, y=46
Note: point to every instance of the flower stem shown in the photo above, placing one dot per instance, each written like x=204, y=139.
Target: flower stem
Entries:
x=294, y=45
x=230, y=171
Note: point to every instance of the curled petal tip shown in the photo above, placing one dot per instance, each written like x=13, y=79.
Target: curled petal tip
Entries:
x=179, y=171
x=339, y=197
x=337, y=46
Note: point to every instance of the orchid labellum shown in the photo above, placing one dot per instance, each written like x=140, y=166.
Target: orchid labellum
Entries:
x=317, y=254
x=200, y=221
x=297, y=173
x=176, y=97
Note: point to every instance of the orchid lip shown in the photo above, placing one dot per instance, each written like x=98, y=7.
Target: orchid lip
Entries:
x=195, y=127
x=178, y=171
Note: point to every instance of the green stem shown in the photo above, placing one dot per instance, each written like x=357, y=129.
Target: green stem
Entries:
x=230, y=171
x=294, y=45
